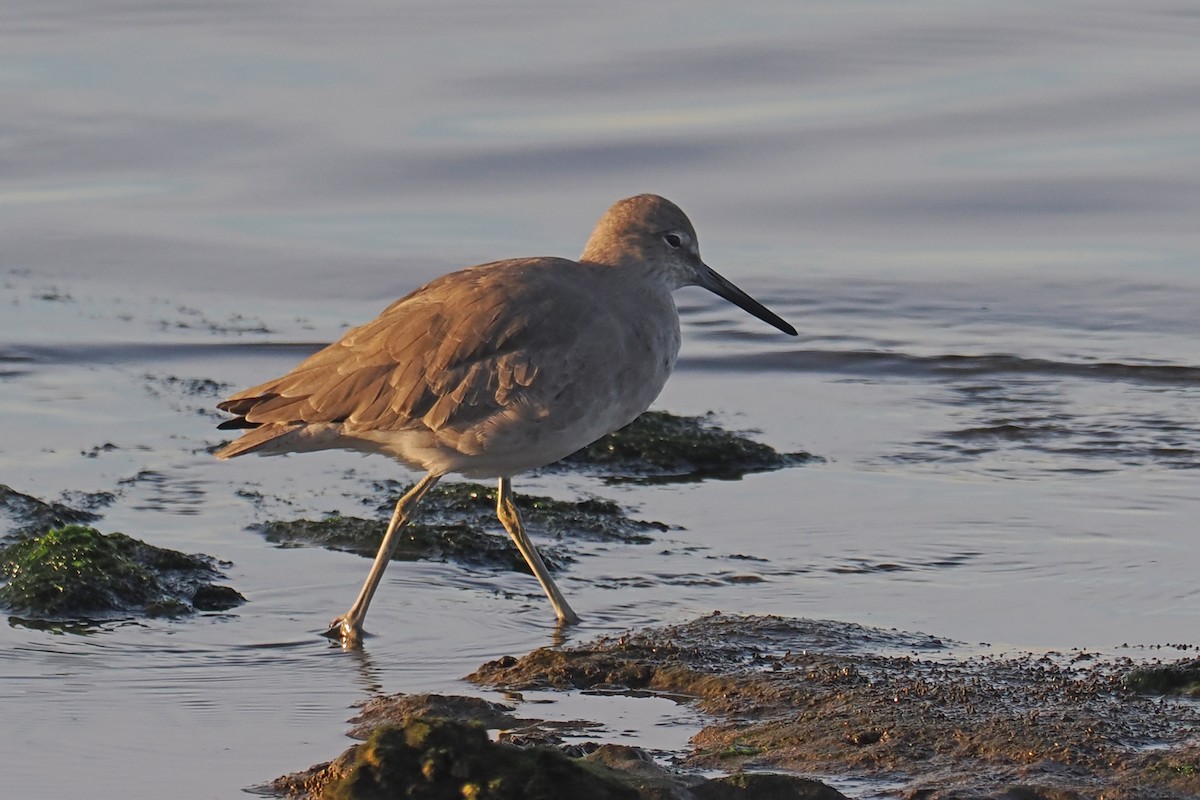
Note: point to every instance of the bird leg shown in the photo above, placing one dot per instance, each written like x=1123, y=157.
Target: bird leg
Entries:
x=511, y=520
x=348, y=627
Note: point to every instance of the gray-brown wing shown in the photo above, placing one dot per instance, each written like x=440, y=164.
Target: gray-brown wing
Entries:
x=455, y=352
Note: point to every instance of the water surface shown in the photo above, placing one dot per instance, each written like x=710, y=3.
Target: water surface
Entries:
x=980, y=217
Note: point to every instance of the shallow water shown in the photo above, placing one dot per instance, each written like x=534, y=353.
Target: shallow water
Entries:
x=981, y=219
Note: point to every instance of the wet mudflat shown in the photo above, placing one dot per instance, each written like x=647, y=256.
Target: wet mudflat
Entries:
x=830, y=700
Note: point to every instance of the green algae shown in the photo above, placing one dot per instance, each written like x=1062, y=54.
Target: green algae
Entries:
x=453, y=522
x=76, y=571
x=430, y=758
x=663, y=447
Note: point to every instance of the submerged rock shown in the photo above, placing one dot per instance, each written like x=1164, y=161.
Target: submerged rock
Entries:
x=452, y=524
x=662, y=447
x=28, y=516
x=77, y=572
x=475, y=504
x=420, y=541
x=434, y=758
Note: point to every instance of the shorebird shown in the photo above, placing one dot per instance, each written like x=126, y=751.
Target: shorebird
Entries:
x=494, y=370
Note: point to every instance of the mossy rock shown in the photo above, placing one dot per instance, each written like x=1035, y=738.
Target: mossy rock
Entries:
x=475, y=504
x=662, y=447
x=76, y=571
x=418, y=542
x=457, y=522
x=429, y=758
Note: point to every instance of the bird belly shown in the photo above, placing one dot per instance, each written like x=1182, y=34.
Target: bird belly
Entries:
x=596, y=401
x=602, y=388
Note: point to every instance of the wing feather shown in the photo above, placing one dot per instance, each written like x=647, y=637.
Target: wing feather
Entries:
x=451, y=355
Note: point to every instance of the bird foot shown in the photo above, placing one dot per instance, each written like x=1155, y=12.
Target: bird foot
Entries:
x=346, y=632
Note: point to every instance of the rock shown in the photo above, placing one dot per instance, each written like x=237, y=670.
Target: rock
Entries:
x=29, y=516
x=765, y=786
x=429, y=758
x=660, y=447
x=652, y=781
x=397, y=709
x=453, y=523
x=77, y=572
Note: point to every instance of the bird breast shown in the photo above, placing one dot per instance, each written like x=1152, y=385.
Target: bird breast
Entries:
x=597, y=360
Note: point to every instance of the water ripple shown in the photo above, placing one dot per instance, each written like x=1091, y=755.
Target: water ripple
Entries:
x=877, y=363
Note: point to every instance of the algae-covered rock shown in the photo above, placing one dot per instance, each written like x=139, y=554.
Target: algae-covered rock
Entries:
x=435, y=746
x=76, y=571
x=453, y=521
x=428, y=758
x=419, y=541
x=1181, y=678
x=663, y=447
x=640, y=770
x=475, y=504
x=396, y=709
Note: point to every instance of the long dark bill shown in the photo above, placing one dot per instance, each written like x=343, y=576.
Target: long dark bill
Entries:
x=713, y=281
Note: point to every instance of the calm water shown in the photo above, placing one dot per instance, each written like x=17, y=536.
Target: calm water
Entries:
x=981, y=217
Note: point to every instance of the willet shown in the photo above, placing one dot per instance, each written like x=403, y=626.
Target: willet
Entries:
x=496, y=369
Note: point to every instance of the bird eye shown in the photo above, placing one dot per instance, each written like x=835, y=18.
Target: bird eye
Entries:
x=673, y=240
